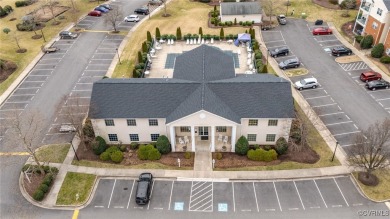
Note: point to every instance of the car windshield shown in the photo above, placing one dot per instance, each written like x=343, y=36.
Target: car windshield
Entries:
x=303, y=82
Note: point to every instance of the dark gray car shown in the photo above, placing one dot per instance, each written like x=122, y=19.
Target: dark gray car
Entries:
x=279, y=51
x=282, y=19
x=289, y=63
x=142, y=195
x=67, y=35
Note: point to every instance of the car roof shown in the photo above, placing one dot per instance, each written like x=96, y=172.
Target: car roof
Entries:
x=133, y=15
x=369, y=73
x=310, y=79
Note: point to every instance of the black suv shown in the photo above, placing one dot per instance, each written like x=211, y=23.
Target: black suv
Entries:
x=279, y=51
x=341, y=50
x=142, y=195
x=67, y=35
x=142, y=10
x=289, y=63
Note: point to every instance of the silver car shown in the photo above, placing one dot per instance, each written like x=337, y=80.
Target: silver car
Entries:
x=306, y=83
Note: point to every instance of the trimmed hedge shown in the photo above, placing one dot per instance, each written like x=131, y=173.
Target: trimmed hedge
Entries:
x=242, y=146
x=117, y=156
x=148, y=152
x=378, y=50
x=38, y=195
x=104, y=156
x=154, y=154
x=99, y=145
x=385, y=59
x=367, y=42
x=163, y=145
x=22, y=3
x=134, y=145
x=281, y=146
x=262, y=155
x=187, y=155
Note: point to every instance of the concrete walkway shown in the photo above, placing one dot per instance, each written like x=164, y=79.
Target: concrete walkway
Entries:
x=203, y=165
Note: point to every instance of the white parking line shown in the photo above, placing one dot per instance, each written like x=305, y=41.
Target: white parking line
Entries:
x=346, y=133
x=275, y=41
x=257, y=204
x=347, y=117
x=277, y=196
x=340, y=191
x=299, y=195
x=170, y=197
x=329, y=114
x=99, y=206
x=383, y=99
x=319, y=88
x=320, y=193
x=337, y=206
x=132, y=187
x=327, y=40
x=338, y=123
x=310, y=98
x=112, y=191
x=355, y=126
x=330, y=104
x=347, y=145
x=234, y=201
x=268, y=47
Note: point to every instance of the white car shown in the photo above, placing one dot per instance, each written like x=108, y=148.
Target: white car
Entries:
x=132, y=18
x=67, y=127
x=306, y=83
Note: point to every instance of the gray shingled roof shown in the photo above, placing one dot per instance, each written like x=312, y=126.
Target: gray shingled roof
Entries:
x=208, y=88
x=387, y=3
x=240, y=8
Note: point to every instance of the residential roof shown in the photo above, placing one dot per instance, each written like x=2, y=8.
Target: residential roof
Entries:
x=210, y=86
x=240, y=8
x=387, y=4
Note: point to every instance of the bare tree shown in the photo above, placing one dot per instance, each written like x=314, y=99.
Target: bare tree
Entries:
x=371, y=150
x=113, y=17
x=51, y=4
x=269, y=8
x=73, y=111
x=25, y=130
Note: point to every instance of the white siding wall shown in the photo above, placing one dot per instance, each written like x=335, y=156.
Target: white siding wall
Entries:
x=262, y=129
x=123, y=130
x=254, y=17
x=374, y=10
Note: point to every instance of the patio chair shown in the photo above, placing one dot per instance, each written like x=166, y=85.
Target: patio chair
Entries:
x=225, y=139
x=202, y=41
x=188, y=41
x=191, y=41
x=199, y=41
x=186, y=140
x=212, y=40
x=219, y=137
x=181, y=141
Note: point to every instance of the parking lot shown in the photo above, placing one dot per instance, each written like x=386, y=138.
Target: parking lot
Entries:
x=323, y=99
x=80, y=95
x=230, y=196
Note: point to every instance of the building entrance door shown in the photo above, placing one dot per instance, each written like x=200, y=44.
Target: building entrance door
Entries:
x=204, y=132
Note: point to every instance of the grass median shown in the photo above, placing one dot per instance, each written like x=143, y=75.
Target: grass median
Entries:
x=54, y=153
x=381, y=192
x=33, y=46
x=75, y=189
x=151, y=165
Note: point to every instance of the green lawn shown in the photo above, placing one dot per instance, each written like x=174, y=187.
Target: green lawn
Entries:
x=381, y=192
x=75, y=183
x=150, y=165
x=315, y=141
x=8, y=44
x=54, y=153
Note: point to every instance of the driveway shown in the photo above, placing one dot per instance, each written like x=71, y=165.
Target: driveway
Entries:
x=342, y=102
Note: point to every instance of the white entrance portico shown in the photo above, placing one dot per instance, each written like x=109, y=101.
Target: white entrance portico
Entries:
x=200, y=129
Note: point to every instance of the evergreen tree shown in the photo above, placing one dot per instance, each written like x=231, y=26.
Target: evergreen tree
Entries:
x=148, y=36
x=178, y=33
x=139, y=57
x=253, y=34
x=221, y=34
x=158, y=35
x=200, y=31
x=144, y=47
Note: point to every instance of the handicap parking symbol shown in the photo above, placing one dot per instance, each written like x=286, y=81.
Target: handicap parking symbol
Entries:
x=179, y=206
x=222, y=207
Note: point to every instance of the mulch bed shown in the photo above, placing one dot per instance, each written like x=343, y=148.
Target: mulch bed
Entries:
x=131, y=158
x=233, y=160
x=371, y=180
x=36, y=180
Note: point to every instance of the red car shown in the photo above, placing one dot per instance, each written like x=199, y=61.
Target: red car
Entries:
x=370, y=76
x=95, y=13
x=322, y=31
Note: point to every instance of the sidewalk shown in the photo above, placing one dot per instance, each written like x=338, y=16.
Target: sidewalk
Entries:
x=203, y=165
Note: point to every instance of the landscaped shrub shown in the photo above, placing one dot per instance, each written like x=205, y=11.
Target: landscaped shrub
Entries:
x=248, y=23
x=47, y=180
x=281, y=146
x=38, y=195
x=358, y=38
x=216, y=37
x=218, y=156
x=367, y=42
x=163, y=145
x=264, y=69
x=195, y=36
x=256, y=146
x=334, y=2
x=385, y=59
x=104, y=156
x=116, y=156
x=164, y=37
x=262, y=155
x=348, y=4
x=158, y=35
x=143, y=151
x=99, y=145
x=187, y=155
x=178, y=33
x=112, y=149
x=258, y=55
x=267, y=147
x=22, y=3
x=25, y=26
x=235, y=21
x=378, y=50
x=44, y=188
x=240, y=23
x=221, y=33
x=154, y=154
x=134, y=145
x=2, y=12
x=123, y=148
x=242, y=146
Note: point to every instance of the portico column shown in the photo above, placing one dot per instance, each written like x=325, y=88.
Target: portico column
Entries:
x=234, y=138
x=193, y=138
x=212, y=138
x=173, y=138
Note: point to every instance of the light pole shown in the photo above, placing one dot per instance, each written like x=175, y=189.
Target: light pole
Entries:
x=118, y=56
x=334, y=152
x=43, y=36
x=74, y=151
x=267, y=57
x=288, y=3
